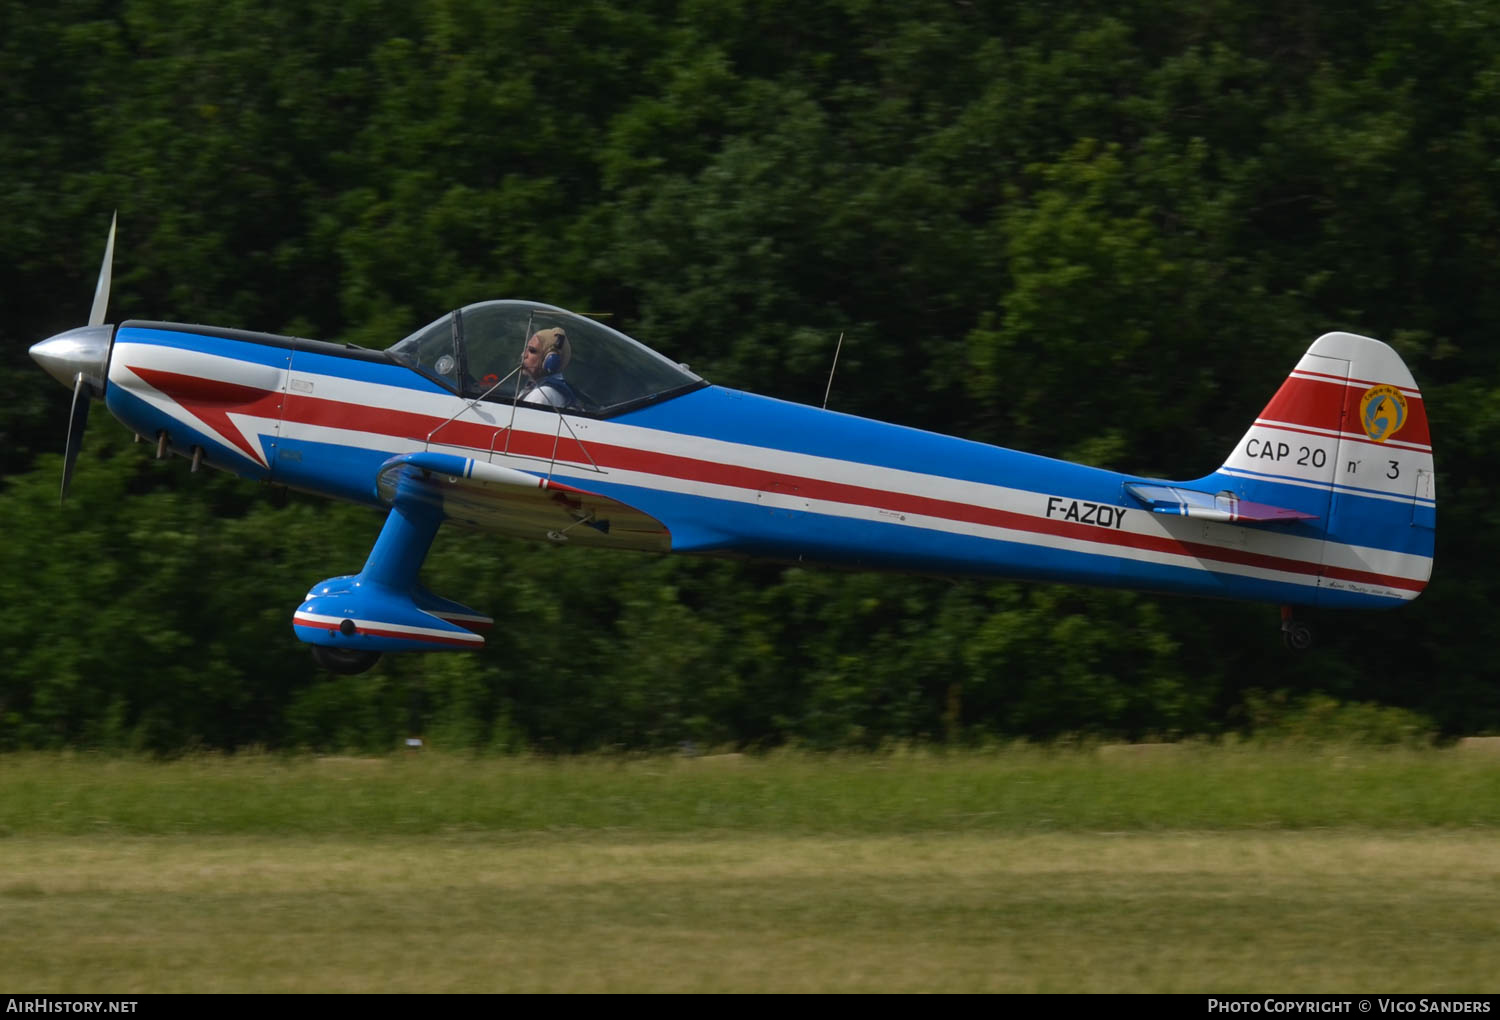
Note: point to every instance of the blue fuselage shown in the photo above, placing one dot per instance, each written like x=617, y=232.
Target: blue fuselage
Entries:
x=727, y=472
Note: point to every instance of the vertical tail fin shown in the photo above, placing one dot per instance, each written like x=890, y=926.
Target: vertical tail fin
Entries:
x=1346, y=440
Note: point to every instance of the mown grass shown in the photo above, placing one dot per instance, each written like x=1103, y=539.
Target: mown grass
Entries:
x=1189, y=869
x=1017, y=789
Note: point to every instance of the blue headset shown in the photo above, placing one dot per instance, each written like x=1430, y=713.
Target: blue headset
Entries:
x=553, y=362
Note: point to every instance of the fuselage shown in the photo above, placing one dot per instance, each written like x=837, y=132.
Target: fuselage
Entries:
x=732, y=473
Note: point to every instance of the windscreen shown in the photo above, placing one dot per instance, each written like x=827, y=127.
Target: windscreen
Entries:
x=505, y=351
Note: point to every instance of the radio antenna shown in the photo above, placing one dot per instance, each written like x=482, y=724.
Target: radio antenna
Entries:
x=831, y=370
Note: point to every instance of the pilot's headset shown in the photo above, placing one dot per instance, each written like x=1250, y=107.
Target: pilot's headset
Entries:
x=559, y=352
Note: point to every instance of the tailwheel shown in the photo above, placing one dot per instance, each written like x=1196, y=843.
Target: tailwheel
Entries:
x=344, y=661
x=1295, y=634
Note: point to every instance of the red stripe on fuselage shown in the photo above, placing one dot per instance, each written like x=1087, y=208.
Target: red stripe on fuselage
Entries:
x=309, y=410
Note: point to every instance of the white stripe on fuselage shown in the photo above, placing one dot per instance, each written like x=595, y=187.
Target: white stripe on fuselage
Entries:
x=1137, y=520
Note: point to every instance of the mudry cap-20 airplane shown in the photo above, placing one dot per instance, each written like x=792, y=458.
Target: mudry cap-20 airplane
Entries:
x=592, y=438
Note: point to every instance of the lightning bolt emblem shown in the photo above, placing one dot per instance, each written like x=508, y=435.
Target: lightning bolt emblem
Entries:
x=212, y=401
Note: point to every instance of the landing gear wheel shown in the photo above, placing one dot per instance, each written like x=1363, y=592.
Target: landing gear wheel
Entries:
x=1296, y=635
x=344, y=661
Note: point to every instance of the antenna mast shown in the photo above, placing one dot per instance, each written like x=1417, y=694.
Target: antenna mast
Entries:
x=831, y=368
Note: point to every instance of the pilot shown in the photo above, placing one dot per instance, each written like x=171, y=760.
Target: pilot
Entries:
x=546, y=354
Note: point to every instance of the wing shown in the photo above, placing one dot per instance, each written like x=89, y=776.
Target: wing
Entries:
x=494, y=498
x=1211, y=506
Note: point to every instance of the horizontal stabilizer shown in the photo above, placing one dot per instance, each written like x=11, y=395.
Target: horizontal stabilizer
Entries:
x=1211, y=506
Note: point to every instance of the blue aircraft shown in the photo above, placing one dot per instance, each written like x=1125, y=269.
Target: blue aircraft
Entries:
x=529, y=420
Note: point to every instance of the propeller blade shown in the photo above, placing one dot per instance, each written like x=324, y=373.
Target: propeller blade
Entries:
x=77, y=422
x=101, y=290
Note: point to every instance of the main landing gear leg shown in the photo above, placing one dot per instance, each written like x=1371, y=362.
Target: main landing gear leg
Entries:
x=392, y=565
x=1295, y=634
x=350, y=621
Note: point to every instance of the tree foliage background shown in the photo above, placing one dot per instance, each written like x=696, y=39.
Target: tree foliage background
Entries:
x=1101, y=231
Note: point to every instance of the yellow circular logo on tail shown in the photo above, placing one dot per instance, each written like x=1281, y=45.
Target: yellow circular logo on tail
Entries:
x=1382, y=412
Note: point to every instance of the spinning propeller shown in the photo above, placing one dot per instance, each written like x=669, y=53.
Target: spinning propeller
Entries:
x=78, y=357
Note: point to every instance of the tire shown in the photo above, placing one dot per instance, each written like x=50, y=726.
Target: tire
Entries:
x=1297, y=635
x=344, y=661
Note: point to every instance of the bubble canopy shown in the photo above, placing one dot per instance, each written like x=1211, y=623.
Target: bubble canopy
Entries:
x=478, y=351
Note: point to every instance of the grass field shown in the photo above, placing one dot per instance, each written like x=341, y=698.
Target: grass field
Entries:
x=1180, y=870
